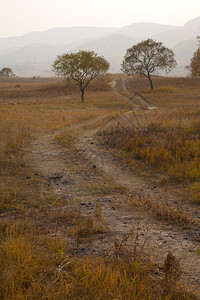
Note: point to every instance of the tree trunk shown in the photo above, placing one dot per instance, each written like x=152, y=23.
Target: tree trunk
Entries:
x=151, y=82
x=82, y=95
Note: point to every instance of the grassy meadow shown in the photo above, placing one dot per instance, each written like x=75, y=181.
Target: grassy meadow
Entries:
x=34, y=262
x=164, y=141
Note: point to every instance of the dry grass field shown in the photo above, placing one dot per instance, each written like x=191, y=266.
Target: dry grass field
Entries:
x=166, y=141
x=59, y=204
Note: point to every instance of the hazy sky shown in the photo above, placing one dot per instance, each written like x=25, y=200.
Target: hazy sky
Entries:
x=18, y=17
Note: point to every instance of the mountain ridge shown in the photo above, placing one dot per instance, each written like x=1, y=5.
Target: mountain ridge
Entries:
x=33, y=53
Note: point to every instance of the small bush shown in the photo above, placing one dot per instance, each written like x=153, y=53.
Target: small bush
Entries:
x=172, y=270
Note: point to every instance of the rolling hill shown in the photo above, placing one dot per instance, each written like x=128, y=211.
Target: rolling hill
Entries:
x=33, y=53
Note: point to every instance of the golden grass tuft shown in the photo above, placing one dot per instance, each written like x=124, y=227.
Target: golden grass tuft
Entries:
x=163, y=211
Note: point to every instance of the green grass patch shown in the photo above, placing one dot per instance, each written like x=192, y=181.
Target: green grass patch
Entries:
x=107, y=190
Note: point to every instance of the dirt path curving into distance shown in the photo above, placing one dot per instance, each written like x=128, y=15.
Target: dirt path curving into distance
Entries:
x=136, y=99
x=77, y=172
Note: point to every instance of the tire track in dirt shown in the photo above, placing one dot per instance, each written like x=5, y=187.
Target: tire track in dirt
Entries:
x=138, y=101
x=144, y=101
x=130, y=99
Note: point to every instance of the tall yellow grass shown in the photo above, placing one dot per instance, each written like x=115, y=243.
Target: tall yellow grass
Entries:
x=34, y=266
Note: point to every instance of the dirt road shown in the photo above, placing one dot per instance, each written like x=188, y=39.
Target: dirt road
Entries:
x=86, y=174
